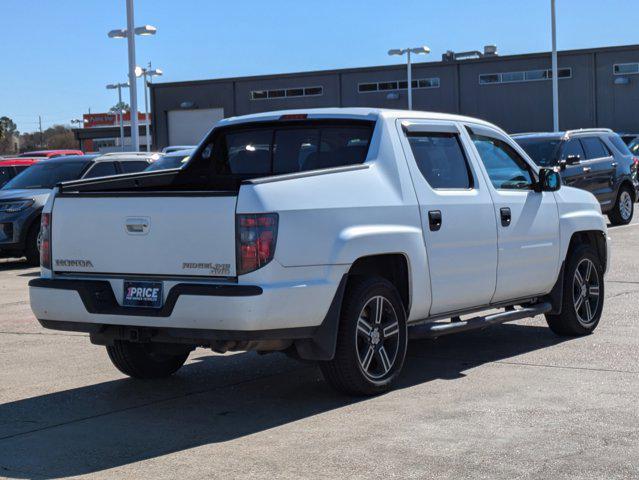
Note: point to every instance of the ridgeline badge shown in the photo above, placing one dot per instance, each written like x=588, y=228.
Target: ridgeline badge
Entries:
x=214, y=268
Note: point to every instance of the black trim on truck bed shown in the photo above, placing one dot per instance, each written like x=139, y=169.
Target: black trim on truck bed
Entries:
x=98, y=297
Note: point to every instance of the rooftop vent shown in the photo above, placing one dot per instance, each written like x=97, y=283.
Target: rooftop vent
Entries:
x=489, y=51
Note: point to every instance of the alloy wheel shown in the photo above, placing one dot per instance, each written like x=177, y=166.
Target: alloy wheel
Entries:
x=586, y=291
x=625, y=205
x=377, y=338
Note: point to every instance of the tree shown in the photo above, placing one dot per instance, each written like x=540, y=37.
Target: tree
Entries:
x=8, y=132
x=57, y=136
x=120, y=106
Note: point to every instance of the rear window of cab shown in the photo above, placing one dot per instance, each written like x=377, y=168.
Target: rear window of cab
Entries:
x=261, y=150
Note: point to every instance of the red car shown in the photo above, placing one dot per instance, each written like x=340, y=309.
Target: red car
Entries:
x=10, y=167
x=50, y=153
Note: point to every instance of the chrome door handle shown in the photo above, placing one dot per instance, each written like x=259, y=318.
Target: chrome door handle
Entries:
x=614, y=164
x=587, y=169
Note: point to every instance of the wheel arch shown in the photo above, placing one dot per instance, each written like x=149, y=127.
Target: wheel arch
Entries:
x=598, y=241
x=595, y=238
x=627, y=183
x=394, y=267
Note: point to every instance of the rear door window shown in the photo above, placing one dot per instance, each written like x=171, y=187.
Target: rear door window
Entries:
x=441, y=160
x=259, y=151
x=594, y=148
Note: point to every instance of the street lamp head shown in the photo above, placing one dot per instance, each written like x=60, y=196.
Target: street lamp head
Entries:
x=424, y=50
x=156, y=72
x=396, y=51
x=145, y=30
x=139, y=71
x=114, y=86
x=118, y=33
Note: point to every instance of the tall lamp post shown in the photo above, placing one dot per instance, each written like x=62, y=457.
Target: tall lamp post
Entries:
x=409, y=71
x=147, y=72
x=129, y=33
x=119, y=87
x=555, y=77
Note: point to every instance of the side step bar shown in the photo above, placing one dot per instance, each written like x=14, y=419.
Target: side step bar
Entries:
x=437, y=329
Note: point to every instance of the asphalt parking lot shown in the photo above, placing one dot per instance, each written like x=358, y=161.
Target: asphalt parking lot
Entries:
x=513, y=401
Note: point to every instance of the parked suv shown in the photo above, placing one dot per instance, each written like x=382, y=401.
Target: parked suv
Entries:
x=22, y=198
x=329, y=234
x=596, y=160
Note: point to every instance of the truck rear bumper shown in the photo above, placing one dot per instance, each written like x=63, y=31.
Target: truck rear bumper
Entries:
x=201, y=306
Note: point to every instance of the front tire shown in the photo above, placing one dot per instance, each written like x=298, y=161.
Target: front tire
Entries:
x=371, y=340
x=143, y=360
x=583, y=295
x=622, y=212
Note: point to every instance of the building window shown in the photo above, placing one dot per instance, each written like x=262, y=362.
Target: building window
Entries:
x=523, y=76
x=625, y=68
x=286, y=93
x=313, y=91
x=397, y=85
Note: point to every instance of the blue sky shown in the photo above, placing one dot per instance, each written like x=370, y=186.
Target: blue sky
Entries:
x=57, y=59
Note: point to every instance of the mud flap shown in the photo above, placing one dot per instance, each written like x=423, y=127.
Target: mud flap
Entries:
x=322, y=345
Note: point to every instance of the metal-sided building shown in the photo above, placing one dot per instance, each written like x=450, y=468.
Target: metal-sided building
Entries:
x=597, y=88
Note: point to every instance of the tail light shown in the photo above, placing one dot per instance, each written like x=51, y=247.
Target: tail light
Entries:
x=256, y=238
x=45, y=241
x=635, y=165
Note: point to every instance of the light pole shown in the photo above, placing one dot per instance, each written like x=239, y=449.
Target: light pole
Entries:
x=119, y=87
x=409, y=73
x=555, y=76
x=144, y=72
x=129, y=33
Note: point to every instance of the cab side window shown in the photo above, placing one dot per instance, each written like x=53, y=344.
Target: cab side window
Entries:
x=506, y=169
x=441, y=160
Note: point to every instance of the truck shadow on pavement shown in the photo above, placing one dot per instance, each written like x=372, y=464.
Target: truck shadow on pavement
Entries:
x=213, y=399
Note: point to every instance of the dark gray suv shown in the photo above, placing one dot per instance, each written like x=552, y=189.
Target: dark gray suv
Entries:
x=23, y=197
x=593, y=159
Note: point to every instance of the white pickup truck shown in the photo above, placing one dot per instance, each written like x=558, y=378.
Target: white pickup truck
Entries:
x=332, y=235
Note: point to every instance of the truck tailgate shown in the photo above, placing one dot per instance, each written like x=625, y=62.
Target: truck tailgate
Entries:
x=145, y=235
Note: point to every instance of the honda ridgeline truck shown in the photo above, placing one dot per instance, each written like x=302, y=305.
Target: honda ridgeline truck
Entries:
x=332, y=235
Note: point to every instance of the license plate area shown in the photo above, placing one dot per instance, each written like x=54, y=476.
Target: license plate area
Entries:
x=142, y=294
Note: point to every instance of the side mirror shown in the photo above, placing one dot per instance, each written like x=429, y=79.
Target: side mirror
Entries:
x=549, y=180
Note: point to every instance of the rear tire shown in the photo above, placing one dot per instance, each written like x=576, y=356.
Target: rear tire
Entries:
x=371, y=346
x=622, y=212
x=32, y=250
x=141, y=360
x=583, y=294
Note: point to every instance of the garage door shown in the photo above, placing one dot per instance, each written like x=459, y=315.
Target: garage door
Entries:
x=188, y=127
